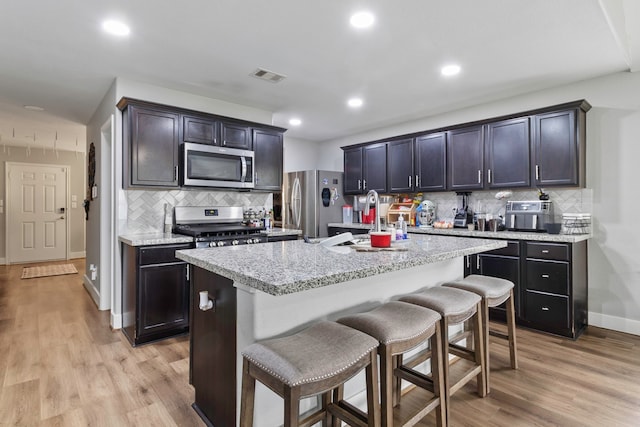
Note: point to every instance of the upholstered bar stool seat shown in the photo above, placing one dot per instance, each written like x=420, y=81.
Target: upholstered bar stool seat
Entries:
x=400, y=327
x=456, y=306
x=314, y=361
x=493, y=291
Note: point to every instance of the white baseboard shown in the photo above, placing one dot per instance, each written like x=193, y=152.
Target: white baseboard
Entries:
x=74, y=255
x=116, y=321
x=88, y=285
x=615, y=323
x=3, y=261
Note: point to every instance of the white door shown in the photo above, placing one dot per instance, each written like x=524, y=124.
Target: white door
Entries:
x=36, y=208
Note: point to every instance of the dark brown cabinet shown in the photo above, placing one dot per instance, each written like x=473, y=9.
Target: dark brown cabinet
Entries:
x=267, y=147
x=507, y=154
x=151, y=136
x=430, y=162
x=400, y=173
x=235, y=136
x=465, y=159
x=550, y=283
x=155, y=293
x=558, y=153
x=371, y=162
x=201, y=130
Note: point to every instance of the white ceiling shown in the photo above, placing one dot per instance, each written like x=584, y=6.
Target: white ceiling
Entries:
x=56, y=56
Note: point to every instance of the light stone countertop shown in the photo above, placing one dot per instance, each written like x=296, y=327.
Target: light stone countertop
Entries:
x=462, y=232
x=147, y=239
x=295, y=266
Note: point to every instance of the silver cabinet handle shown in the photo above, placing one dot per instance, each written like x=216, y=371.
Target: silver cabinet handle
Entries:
x=468, y=261
x=479, y=176
x=545, y=308
x=175, y=173
x=478, y=263
x=545, y=251
x=537, y=173
x=417, y=182
x=489, y=176
x=364, y=184
x=545, y=276
x=359, y=184
x=409, y=181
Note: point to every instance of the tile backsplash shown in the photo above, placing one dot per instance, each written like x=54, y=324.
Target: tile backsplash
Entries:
x=564, y=201
x=145, y=209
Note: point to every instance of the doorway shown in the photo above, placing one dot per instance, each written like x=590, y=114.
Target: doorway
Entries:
x=37, y=218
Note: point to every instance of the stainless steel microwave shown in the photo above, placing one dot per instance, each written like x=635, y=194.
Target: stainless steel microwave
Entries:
x=212, y=166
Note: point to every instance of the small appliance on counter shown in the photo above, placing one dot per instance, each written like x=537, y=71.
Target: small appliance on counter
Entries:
x=464, y=214
x=529, y=215
x=426, y=214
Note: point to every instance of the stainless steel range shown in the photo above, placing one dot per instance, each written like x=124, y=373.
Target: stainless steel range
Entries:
x=212, y=226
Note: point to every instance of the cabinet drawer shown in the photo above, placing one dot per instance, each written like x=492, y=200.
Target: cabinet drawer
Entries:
x=550, y=310
x=546, y=276
x=161, y=254
x=547, y=251
x=512, y=249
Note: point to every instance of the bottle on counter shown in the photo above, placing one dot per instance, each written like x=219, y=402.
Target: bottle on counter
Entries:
x=402, y=227
x=391, y=229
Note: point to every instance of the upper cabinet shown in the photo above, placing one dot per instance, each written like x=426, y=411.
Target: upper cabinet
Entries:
x=507, y=148
x=207, y=130
x=538, y=148
x=365, y=169
x=559, y=148
x=151, y=135
x=267, y=146
x=465, y=154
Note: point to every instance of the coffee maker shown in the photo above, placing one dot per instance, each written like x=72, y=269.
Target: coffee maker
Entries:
x=464, y=214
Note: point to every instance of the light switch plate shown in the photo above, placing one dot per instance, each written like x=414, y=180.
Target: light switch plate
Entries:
x=74, y=198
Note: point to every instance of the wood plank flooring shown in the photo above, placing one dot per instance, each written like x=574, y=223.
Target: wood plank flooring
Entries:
x=61, y=365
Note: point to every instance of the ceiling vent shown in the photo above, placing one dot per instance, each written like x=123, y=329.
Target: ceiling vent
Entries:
x=267, y=75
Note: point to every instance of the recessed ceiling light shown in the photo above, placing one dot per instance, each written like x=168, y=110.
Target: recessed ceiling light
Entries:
x=295, y=122
x=33, y=108
x=362, y=19
x=450, y=70
x=354, y=102
x=117, y=28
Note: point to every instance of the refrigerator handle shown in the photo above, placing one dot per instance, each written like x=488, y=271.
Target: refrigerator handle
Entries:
x=296, y=201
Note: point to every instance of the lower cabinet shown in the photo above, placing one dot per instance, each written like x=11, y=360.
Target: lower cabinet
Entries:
x=282, y=238
x=550, y=283
x=155, y=293
x=334, y=231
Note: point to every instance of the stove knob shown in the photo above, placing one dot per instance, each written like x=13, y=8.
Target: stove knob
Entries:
x=235, y=242
x=256, y=240
x=249, y=241
x=212, y=244
x=220, y=243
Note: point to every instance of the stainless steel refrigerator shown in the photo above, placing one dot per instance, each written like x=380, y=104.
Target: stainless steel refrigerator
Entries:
x=311, y=200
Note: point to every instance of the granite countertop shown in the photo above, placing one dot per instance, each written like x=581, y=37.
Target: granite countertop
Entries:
x=297, y=266
x=463, y=232
x=158, y=238
x=143, y=239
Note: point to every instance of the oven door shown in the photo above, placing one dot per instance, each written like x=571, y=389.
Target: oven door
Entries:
x=211, y=166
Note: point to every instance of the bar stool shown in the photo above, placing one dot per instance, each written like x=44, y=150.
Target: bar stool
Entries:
x=493, y=291
x=400, y=327
x=314, y=361
x=456, y=306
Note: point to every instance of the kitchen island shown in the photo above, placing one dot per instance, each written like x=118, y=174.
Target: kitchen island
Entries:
x=264, y=291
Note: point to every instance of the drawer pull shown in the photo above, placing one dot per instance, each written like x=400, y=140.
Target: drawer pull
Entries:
x=545, y=251
x=545, y=308
x=545, y=276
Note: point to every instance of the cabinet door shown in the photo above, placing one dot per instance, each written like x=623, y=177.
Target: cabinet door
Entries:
x=163, y=299
x=555, y=149
x=400, y=166
x=374, y=168
x=507, y=268
x=353, y=171
x=154, y=146
x=200, y=130
x=235, y=136
x=507, y=151
x=267, y=146
x=465, y=154
x=430, y=162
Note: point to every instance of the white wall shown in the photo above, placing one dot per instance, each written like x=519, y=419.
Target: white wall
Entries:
x=300, y=154
x=613, y=152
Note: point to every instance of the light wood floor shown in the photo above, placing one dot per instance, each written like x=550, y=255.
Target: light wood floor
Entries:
x=61, y=365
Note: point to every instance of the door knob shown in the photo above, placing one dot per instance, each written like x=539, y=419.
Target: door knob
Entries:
x=61, y=217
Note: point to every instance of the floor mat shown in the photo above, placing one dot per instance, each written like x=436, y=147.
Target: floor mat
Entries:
x=48, y=270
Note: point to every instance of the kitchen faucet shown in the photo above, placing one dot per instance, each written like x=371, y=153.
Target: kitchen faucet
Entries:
x=376, y=201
